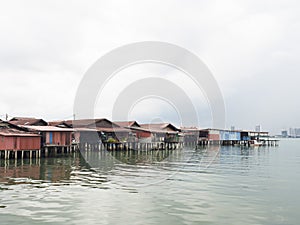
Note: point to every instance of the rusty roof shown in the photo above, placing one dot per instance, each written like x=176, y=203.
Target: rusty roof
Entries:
x=112, y=129
x=160, y=127
x=5, y=124
x=59, y=123
x=158, y=131
x=126, y=123
x=27, y=121
x=7, y=129
x=189, y=129
x=82, y=122
x=87, y=122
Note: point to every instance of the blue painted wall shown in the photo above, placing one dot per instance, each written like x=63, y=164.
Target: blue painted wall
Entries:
x=230, y=135
x=50, y=137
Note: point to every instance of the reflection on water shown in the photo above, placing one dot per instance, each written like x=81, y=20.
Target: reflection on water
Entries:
x=122, y=168
x=214, y=185
x=62, y=170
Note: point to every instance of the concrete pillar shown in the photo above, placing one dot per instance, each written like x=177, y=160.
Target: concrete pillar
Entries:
x=22, y=154
x=30, y=154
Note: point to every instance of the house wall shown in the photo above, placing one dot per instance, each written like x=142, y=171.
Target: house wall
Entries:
x=191, y=137
x=122, y=135
x=20, y=143
x=245, y=136
x=214, y=135
x=141, y=134
x=145, y=139
x=29, y=143
x=203, y=134
x=58, y=138
x=230, y=135
x=6, y=143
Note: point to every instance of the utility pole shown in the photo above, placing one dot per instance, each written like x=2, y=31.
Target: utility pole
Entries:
x=6, y=117
x=73, y=116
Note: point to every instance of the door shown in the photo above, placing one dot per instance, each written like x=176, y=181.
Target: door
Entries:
x=50, y=137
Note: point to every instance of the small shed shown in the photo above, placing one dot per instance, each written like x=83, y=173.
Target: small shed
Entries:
x=209, y=134
x=159, y=132
x=190, y=134
x=86, y=135
x=129, y=134
x=252, y=135
x=15, y=138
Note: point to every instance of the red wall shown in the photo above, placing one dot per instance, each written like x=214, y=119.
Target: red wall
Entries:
x=141, y=134
x=20, y=143
x=214, y=137
x=59, y=138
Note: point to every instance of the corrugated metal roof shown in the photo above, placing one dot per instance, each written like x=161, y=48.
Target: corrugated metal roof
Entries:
x=189, y=129
x=48, y=128
x=19, y=134
x=159, y=126
x=113, y=129
x=153, y=130
x=126, y=123
x=60, y=123
x=84, y=129
x=8, y=129
x=87, y=122
x=27, y=121
x=228, y=130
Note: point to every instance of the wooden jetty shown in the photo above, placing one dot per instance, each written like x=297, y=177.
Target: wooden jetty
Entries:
x=124, y=146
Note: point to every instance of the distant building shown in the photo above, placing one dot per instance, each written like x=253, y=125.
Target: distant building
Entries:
x=292, y=132
x=258, y=128
x=297, y=132
x=284, y=133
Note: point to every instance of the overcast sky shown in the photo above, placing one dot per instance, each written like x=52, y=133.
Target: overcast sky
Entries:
x=250, y=46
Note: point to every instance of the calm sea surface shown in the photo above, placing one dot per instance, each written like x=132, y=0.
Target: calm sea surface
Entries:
x=215, y=185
